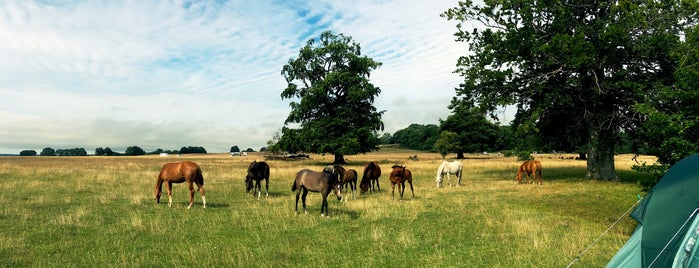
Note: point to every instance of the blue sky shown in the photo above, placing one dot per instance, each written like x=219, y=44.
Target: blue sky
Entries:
x=167, y=74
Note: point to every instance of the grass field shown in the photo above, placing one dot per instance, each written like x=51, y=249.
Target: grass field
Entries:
x=100, y=211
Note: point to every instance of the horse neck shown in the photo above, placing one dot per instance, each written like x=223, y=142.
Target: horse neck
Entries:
x=441, y=168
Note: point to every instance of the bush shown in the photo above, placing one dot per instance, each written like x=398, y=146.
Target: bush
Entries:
x=27, y=153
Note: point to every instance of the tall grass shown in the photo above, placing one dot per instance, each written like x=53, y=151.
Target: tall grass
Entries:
x=100, y=211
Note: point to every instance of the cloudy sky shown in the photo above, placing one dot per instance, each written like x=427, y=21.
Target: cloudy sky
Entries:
x=167, y=74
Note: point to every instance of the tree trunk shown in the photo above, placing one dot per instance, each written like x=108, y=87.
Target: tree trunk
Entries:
x=339, y=159
x=460, y=155
x=600, y=155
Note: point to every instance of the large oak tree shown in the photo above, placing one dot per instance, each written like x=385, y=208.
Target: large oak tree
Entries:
x=576, y=70
x=332, y=99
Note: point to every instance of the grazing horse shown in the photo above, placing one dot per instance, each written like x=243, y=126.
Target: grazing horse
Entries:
x=530, y=168
x=347, y=177
x=257, y=171
x=323, y=182
x=399, y=175
x=178, y=173
x=449, y=168
x=372, y=172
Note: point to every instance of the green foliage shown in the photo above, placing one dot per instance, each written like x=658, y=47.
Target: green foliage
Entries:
x=193, y=150
x=48, y=151
x=654, y=171
x=417, y=137
x=448, y=142
x=234, y=148
x=71, y=152
x=575, y=72
x=27, y=153
x=334, y=98
x=134, y=150
x=474, y=132
x=524, y=155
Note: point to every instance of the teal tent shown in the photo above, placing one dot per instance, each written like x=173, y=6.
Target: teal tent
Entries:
x=668, y=222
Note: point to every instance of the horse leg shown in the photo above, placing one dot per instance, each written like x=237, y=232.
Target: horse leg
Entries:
x=458, y=178
x=158, y=189
x=303, y=198
x=258, y=188
x=402, y=190
x=200, y=187
x=411, y=188
x=377, y=185
x=324, y=205
x=298, y=192
x=449, y=178
x=191, y=194
x=393, y=188
x=353, y=187
x=168, y=187
x=266, y=187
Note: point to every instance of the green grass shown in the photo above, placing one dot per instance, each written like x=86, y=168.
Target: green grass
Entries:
x=100, y=211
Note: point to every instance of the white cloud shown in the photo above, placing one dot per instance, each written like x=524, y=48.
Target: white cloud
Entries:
x=166, y=74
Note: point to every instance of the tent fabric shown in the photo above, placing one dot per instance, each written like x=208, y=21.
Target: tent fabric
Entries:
x=687, y=253
x=630, y=254
x=664, y=213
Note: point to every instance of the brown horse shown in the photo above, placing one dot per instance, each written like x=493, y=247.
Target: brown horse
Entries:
x=257, y=171
x=372, y=172
x=400, y=175
x=178, y=173
x=347, y=177
x=531, y=168
x=323, y=182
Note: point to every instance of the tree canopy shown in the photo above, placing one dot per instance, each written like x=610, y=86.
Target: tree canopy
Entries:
x=332, y=99
x=576, y=70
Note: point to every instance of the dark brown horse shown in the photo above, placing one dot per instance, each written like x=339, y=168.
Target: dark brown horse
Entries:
x=347, y=177
x=399, y=175
x=257, y=171
x=530, y=168
x=372, y=172
x=178, y=173
x=323, y=182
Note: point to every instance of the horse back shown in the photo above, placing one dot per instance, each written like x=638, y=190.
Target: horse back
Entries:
x=181, y=172
x=351, y=175
x=258, y=170
x=372, y=171
x=400, y=174
x=312, y=180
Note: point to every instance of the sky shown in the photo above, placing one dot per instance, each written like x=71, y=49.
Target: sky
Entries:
x=168, y=74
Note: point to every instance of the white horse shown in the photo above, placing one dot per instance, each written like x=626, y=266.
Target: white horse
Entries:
x=449, y=168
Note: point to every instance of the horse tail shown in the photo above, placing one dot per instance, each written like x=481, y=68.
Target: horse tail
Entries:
x=294, y=186
x=198, y=176
x=158, y=188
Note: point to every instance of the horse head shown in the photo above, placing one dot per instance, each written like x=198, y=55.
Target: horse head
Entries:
x=248, y=183
x=337, y=188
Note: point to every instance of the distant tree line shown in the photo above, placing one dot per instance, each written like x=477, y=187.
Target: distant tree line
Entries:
x=106, y=151
x=476, y=137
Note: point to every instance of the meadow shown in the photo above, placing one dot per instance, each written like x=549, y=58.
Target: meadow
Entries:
x=100, y=211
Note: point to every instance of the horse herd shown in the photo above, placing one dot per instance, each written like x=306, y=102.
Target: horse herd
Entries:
x=332, y=178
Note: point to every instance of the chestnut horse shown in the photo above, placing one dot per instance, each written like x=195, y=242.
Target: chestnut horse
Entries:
x=372, y=172
x=347, y=177
x=257, y=171
x=530, y=168
x=399, y=175
x=178, y=173
x=323, y=182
